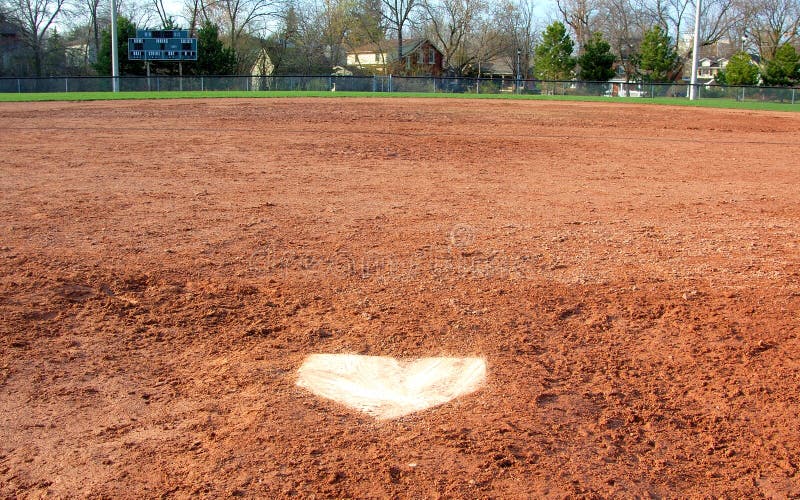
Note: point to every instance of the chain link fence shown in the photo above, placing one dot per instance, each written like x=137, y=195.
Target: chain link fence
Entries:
x=397, y=84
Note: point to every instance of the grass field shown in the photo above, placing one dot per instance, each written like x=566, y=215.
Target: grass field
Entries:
x=103, y=96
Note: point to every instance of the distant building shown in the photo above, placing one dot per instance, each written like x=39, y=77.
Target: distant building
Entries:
x=708, y=68
x=79, y=55
x=12, y=48
x=419, y=57
x=497, y=67
x=261, y=70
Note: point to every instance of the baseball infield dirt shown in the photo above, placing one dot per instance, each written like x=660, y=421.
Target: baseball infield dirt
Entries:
x=630, y=274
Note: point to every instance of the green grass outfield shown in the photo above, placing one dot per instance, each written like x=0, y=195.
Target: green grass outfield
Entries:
x=671, y=101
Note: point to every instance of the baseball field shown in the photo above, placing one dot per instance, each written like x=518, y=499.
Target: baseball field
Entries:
x=628, y=274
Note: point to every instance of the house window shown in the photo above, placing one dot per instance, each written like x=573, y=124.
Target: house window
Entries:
x=432, y=55
x=421, y=57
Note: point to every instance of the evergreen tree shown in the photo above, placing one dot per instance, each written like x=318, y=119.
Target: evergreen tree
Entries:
x=291, y=28
x=55, y=57
x=553, y=57
x=739, y=71
x=212, y=57
x=784, y=68
x=597, y=61
x=125, y=30
x=657, y=58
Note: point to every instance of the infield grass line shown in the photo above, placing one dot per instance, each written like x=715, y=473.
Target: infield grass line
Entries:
x=670, y=101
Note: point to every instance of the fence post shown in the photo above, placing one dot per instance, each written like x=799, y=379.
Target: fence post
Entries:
x=66, y=85
x=202, y=86
x=19, y=87
x=793, y=92
x=390, y=82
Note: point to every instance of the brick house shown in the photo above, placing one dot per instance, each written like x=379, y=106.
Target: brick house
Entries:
x=12, y=48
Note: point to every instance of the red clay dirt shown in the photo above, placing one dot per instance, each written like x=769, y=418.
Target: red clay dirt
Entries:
x=631, y=274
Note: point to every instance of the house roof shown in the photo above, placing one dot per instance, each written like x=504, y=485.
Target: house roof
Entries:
x=409, y=45
x=8, y=29
x=497, y=66
x=713, y=61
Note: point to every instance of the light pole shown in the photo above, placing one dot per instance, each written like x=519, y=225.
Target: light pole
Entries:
x=744, y=39
x=114, y=48
x=695, y=50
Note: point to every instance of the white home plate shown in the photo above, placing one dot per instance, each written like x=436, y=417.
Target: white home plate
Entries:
x=387, y=388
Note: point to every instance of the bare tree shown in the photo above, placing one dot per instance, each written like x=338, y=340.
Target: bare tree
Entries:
x=771, y=23
x=677, y=17
x=457, y=27
x=397, y=14
x=93, y=13
x=35, y=18
x=624, y=22
x=485, y=44
x=580, y=16
x=320, y=34
x=239, y=17
x=164, y=18
x=516, y=21
x=137, y=11
x=719, y=23
x=191, y=12
x=332, y=20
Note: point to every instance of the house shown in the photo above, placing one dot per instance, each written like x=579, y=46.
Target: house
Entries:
x=621, y=87
x=624, y=84
x=496, y=67
x=79, y=54
x=261, y=70
x=500, y=71
x=12, y=48
x=708, y=68
x=419, y=57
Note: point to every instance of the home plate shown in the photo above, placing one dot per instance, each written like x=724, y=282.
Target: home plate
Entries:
x=387, y=388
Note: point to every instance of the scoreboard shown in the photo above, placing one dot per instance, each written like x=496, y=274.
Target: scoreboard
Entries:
x=162, y=45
